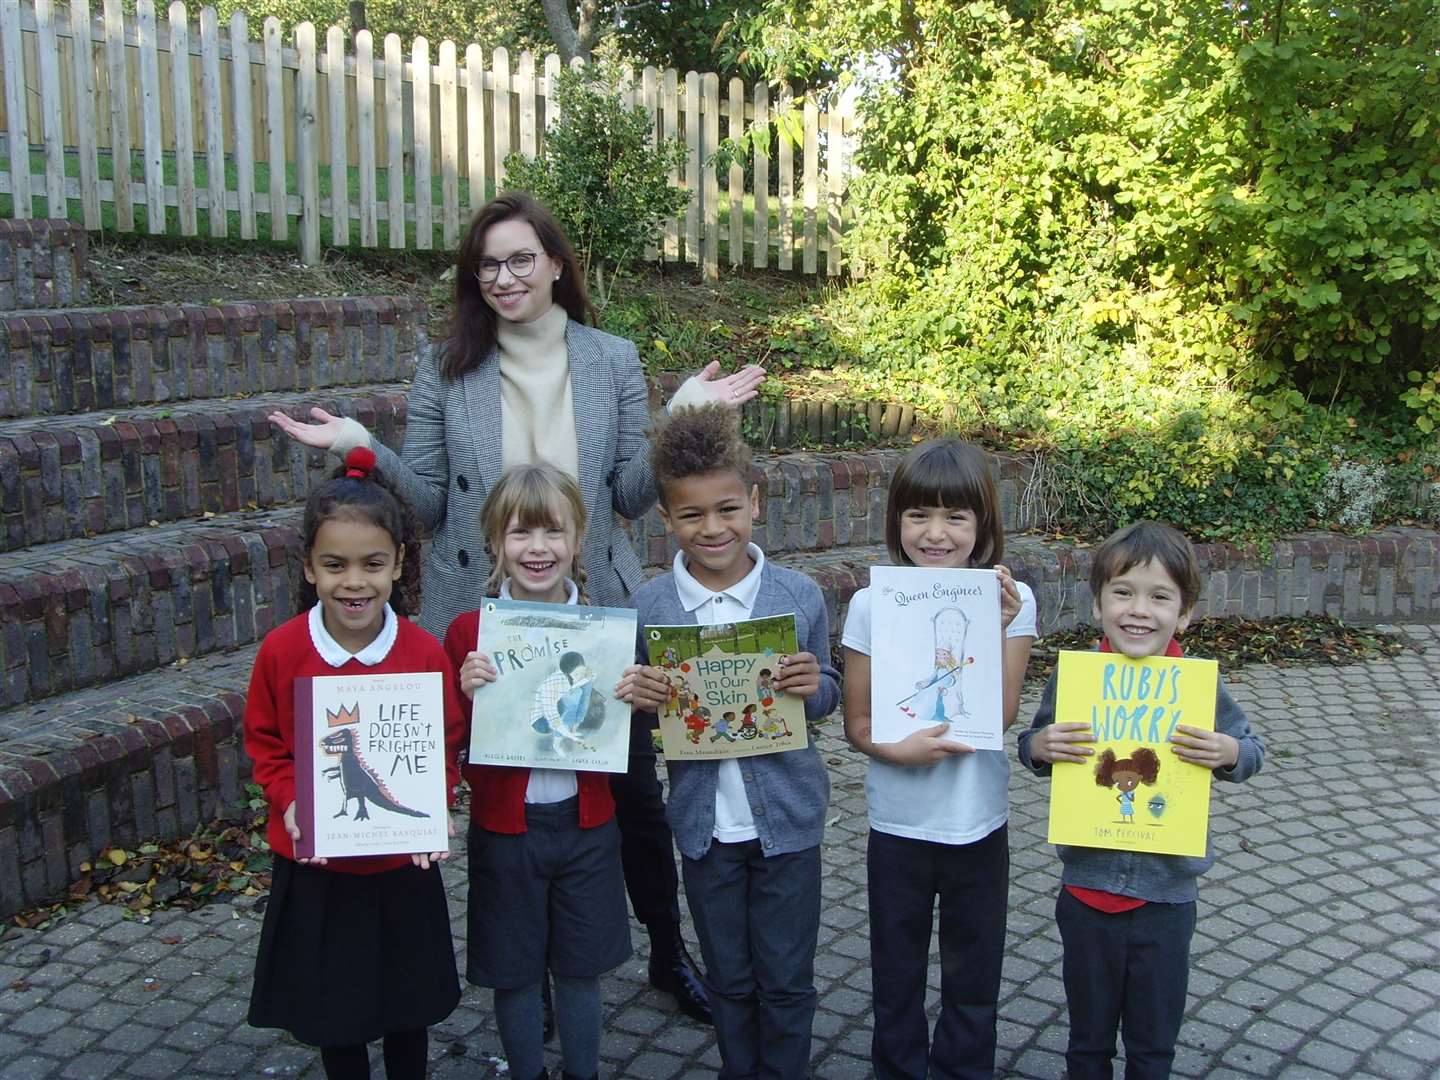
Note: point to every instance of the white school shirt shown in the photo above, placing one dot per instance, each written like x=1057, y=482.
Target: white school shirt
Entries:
x=549, y=785
x=336, y=655
x=733, y=820
x=956, y=801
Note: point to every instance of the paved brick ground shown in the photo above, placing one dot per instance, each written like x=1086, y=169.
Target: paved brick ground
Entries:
x=1317, y=954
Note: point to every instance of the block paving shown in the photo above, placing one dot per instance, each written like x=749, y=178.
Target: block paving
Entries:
x=1317, y=952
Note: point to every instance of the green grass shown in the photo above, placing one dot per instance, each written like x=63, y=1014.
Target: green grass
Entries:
x=40, y=206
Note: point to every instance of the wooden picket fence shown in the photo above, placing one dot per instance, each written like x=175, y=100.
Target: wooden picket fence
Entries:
x=149, y=119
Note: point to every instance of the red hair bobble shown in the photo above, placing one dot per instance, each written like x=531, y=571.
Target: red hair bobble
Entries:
x=360, y=463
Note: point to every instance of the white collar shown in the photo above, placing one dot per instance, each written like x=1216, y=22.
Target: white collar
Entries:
x=743, y=592
x=336, y=655
x=572, y=592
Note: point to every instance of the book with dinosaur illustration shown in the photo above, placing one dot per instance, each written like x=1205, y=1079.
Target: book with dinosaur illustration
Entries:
x=937, y=654
x=370, y=765
x=723, y=701
x=1133, y=794
x=553, y=703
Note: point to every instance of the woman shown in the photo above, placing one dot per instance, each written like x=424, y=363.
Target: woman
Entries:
x=524, y=379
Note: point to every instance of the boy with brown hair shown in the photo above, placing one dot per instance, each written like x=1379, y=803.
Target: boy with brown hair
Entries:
x=1126, y=918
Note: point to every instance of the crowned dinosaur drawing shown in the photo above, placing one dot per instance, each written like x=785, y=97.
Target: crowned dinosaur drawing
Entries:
x=357, y=780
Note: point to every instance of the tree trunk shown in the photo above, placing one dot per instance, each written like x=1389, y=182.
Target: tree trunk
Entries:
x=357, y=18
x=569, y=41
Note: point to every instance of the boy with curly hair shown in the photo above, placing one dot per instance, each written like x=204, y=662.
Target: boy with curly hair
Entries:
x=749, y=834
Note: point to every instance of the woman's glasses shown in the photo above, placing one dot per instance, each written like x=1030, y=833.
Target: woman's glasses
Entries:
x=520, y=265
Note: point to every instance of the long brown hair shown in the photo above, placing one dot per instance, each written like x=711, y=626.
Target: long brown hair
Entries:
x=474, y=325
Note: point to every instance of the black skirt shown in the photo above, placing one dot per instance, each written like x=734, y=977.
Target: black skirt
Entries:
x=349, y=958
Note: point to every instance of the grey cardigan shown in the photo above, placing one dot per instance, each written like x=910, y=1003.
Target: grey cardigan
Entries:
x=451, y=460
x=1168, y=879
x=788, y=791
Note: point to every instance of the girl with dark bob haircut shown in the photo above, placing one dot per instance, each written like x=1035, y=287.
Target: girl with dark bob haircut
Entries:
x=955, y=475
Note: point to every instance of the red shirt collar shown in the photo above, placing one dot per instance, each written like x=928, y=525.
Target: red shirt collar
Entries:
x=1173, y=649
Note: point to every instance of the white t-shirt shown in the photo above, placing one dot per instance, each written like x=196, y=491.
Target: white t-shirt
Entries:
x=733, y=820
x=957, y=801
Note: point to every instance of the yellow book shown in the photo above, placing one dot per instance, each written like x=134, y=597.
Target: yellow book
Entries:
x=1133, y=794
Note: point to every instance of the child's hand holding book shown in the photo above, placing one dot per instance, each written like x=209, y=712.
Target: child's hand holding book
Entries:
x=643, y=687
x=477, y=670
x=799, y=675
x=1062, y=742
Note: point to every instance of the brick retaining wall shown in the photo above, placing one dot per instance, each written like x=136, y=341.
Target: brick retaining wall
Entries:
x=154, y=755
x=42, y=264
x=81, y=361
x=99, y=475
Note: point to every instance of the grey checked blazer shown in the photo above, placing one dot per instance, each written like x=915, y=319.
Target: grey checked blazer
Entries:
x=451, y=460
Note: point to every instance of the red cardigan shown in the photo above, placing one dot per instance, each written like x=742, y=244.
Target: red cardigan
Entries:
x=497, y=792
x=287, y=654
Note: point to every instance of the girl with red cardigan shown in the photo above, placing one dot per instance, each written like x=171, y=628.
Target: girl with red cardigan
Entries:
x=546, y=885
x=351, y=949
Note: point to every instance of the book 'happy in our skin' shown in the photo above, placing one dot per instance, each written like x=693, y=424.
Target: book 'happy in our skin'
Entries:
x=1133, y=794
x=370, y=765
x=723, y=701
x=936, y=654
x=553, y=704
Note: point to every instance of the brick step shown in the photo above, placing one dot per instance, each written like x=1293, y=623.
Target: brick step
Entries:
x=42, y=263
x=144, y=758
x=73, y=476
x=81, y=360
x=150, y=755
x=85, y=612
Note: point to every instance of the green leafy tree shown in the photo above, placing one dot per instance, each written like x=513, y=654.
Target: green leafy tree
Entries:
x=517, y=26
x=600, y=175
x=1240, y=193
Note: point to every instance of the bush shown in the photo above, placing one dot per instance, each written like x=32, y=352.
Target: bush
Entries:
x=608, y=186
x=1183, y=249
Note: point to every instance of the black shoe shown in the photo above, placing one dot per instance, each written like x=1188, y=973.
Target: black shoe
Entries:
x=674, y=972
x=547, y=1008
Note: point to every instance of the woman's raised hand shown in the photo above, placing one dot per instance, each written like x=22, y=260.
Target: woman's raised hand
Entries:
x=322, y=433
x=733, y=390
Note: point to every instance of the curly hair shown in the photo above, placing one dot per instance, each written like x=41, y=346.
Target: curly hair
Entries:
x=1144, y=763
x=536, y=496
x=695, y=441
x=370, y=500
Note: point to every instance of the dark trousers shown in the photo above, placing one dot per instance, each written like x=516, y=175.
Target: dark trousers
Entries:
x=972, y=882
x=1126, y=969
x=647, y=848
x=758, y=920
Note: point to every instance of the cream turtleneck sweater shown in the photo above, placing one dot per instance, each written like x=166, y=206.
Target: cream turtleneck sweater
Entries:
x=537, y=409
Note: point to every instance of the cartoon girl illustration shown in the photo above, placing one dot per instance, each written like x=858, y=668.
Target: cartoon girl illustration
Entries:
x=940, y=696
x=773, y=726
x=748, y=730
x=695, y=724
x=1125, y=775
